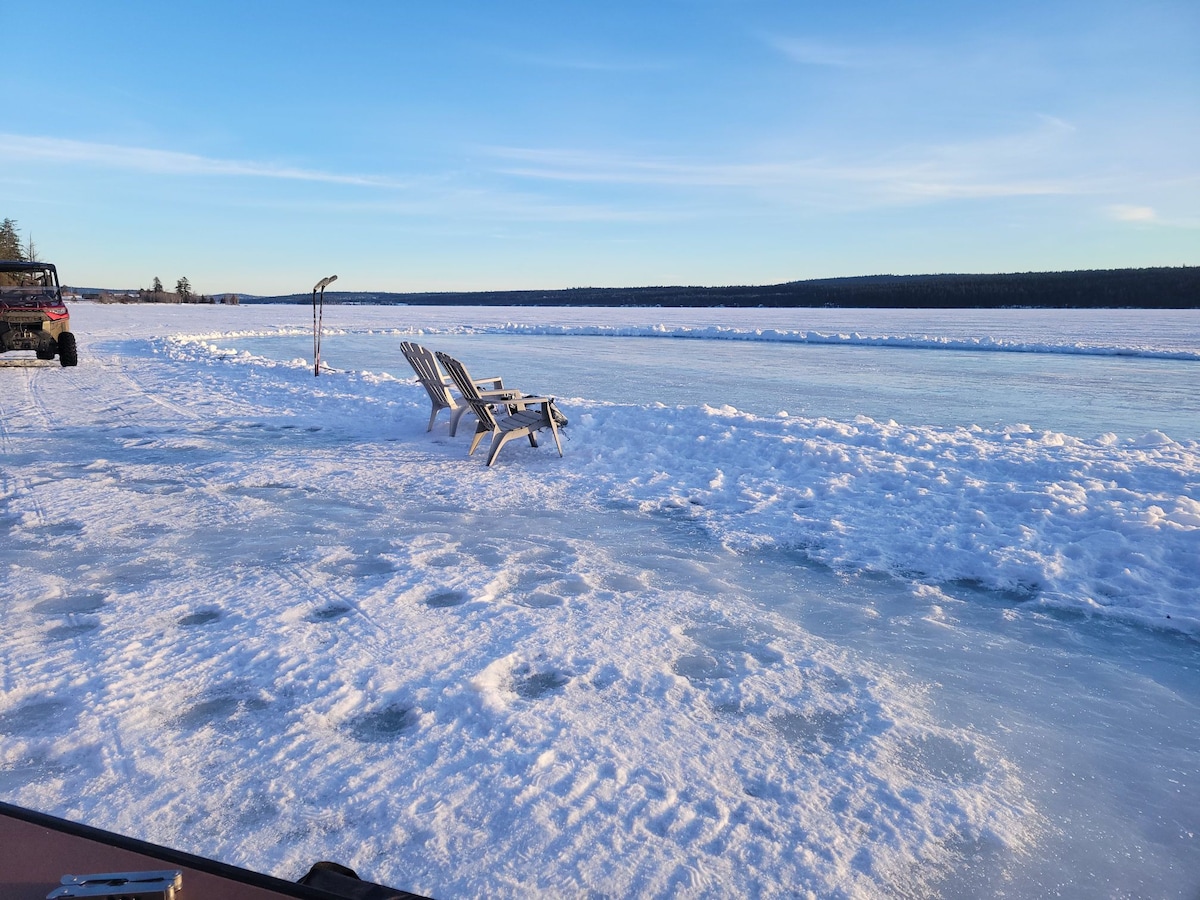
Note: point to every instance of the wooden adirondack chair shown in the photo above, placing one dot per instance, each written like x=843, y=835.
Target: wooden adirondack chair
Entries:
x=522, y=416
x=437, y=385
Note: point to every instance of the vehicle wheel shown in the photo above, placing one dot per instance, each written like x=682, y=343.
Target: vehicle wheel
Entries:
x=68, y=353
x=46, y=351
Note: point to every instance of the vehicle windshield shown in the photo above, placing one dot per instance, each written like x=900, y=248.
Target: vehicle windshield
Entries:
x=37, y=284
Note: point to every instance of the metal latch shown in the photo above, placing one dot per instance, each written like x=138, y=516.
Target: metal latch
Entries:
x=120, y=886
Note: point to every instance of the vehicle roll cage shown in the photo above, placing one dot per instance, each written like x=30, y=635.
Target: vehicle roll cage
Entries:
x=22, y=274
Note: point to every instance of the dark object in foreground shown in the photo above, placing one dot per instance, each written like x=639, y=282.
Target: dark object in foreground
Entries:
x=38, y=849
x=343, y=883
x=32, y=313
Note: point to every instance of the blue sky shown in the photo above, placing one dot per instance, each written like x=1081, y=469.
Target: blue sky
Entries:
x=259, y=146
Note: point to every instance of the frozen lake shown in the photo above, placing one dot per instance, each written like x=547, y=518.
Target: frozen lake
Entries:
x=1077, y=394
x=934, y=632
x=1070, y=701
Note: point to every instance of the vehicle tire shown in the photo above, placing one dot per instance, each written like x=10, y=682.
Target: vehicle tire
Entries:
x=68, y=353
x=47, y=351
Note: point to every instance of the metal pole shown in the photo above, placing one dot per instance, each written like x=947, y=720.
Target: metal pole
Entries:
x=318, y=320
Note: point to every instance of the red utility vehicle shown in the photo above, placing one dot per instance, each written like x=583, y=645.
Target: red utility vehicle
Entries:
x=32, y=313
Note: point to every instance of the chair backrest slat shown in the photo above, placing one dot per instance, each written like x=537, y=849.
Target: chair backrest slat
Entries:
x=425, y=366
x=470, y=392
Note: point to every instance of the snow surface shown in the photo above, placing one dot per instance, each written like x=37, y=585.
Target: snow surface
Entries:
x=265, y=617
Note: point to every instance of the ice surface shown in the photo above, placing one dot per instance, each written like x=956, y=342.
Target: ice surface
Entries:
x=265, y=617
x=1077, y=394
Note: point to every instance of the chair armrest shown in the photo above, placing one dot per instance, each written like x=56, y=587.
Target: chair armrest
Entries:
x=518, y=403
x=497, y=384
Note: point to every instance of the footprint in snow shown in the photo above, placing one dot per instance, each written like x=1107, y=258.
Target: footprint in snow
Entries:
x=538, y=600
x=202, y=617
x=38, y=716
x=817, y=731
x=535, y=685
x=701, y=667
x=381, y=725
x=71, y=604
x=329, y=612
x=445, y=599
x=223, y=707
x=73, y=630
x=727, y=639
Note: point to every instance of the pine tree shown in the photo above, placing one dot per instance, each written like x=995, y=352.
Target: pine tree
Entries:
x=183, y=288
x=157, y=286
x=10, y=241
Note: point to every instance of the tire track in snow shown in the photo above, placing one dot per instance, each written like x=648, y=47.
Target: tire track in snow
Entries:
x=117, y=401
x=31, y=659
x=18, y=482
x=125, y=405
x=139, y=390
x=295, y=579
x=136, y=396
x=21, y=502
x=39, y=383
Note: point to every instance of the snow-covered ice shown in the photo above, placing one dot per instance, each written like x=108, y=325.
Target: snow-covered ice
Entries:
x=265, y=617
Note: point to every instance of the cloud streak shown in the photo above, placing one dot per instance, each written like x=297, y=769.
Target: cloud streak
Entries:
x=1126, y=213
x=25, y=148
x=436, y=196
x=1018, y=165
x=824, y=54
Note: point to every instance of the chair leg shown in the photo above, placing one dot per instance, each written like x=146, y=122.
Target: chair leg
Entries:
x=479, y=433
x=499, y=441
x=433, y=417
x=554, y=431
x=455, y=415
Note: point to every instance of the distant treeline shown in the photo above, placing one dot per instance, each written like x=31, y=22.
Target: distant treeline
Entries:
x=1161, y=288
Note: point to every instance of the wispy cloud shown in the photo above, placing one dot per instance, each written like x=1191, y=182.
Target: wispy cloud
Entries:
x=17, y=147
x=439, y=196
x=1004, y=166
x=809, y=52
x=1126, y=213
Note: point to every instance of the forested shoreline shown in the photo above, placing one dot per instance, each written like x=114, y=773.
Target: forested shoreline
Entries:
x=1157, y=288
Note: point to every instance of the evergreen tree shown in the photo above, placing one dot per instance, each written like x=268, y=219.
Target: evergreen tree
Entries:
x=183, y=288
x=10, y=241
x=157, y=286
